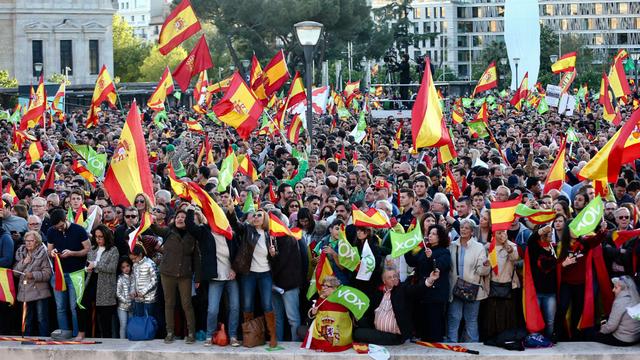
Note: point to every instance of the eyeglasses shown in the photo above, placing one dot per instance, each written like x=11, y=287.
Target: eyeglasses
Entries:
x=156, y=210
x=131, y=216
x=328, y=286
x=139, y=201
x=623, y=217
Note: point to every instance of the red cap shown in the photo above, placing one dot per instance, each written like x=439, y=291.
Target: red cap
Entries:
x=382, y=184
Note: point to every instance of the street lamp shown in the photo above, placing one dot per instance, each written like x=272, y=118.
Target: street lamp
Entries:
x=308, y=34
x=503, y=62
x=636, y=61
x=38, y=67
x=515, y=61
x=553, y=58
x=245, y=66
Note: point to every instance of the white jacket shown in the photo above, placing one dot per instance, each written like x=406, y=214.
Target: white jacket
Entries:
x=474, y=269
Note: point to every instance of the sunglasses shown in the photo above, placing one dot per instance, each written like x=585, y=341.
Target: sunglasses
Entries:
x=131, y=216
x=158, y=211
x=623, y=217
x=139, y=201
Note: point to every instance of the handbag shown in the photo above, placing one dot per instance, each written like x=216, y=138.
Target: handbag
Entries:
x=141, y=328
x=253, y=332
x=463, y=289
x=500, y=290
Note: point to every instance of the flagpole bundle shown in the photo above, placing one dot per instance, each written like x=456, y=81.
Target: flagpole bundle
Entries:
x=456, y=348
x=52, y=342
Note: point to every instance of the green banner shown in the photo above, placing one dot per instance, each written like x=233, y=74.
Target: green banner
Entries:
x=589, y=218
x=96, y=163
x=478, y=128
x=249, y=206
x=348, y=255
x=159, y=119
x=402, y=243
x=543, y=107
x=77, y=279
x=351, y=298
x=225, y=176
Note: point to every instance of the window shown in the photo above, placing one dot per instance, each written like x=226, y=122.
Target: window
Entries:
x=442, y=12
x=574, y=9
x=614, y=24
x=36, y=55
x=598, y=9
x=94, y=57
x=66, y=56
x=133, y=18
x=142, y=17
x=623, y=8
x=416, y=13
x=591, y=24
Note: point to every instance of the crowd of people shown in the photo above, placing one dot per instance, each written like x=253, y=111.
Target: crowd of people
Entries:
x=192, y=279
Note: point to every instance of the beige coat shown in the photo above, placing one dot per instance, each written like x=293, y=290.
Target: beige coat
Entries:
x=506, y=266
x=38, y=287
x=474, y=269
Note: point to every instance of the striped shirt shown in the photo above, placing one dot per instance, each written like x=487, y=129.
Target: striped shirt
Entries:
x=385, y=319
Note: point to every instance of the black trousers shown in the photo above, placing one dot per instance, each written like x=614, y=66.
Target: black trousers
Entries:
x=104, y=314
x=373, y=336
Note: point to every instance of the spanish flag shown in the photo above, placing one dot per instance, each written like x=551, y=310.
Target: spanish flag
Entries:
x=272, y=194
x=198, y=60
x=620, y=237
x=277, y=228
x=427, y=122
x=503, y=213
x=34, y=153
x=483, y=113
x=212, y=212
x=180, y=25
x=84, y=172
x=457, y=113
x=256, y=81
x=372, y=218
x=194, y=125
x=129, y=173
x=323, y=269
x=293, y=132
x=398, y=137
x=200, y=94
x=523, y=91
x=59, y=283
x=275, y=74
x=246, y=167
x=105, y=90
x=9, y=190
x=222, y=85
x=488, y=80
x=617, y=76
x=447, y=153
x=532, y=314
x=566, y=63
x=610, y=111
x=205, y=152
x=57, y=100
x=36, y=109
x=296, y=92
x=452, y=186
x=536, y=216
x=556, y=175
x=164, y=88
x=351, y=90
x=7, y=287
x=18, y=138
x=50, y=178
x=239, y=107
x=145, y=223
x=621, y=149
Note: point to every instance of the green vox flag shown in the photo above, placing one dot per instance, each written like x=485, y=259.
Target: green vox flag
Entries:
x=212, y=116
x=343, y=113
x=402, y=243
x=543, y=107
x=629, y=65
x=4, y=115
x=249, y=206
x=478, y=129
x=15, y=118
x=347, y=255
x=351, y=298
x=77, y=279
x=589, y=218
x=179, y=169
x=582, y=93
x=491, y=99
x=571, y=135
x=96, y=163
x=504, y=93
x=159, y=119
x=478, y=102
x=70, y=216
x=225, y=176
x=177, y=94
x=467, y=102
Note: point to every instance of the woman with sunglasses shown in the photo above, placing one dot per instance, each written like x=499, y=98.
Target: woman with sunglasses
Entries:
x=291, y=207
x=142, y=203
x=252, y=264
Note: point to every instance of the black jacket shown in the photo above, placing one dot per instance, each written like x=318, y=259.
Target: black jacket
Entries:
x=401, y=300
x=207, y=246
x=121, y=239
x=286, y=267
x=247, y=237
x=440, y=258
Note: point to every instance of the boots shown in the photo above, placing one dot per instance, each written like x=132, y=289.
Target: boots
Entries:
x=270, y=317
x=247, y=316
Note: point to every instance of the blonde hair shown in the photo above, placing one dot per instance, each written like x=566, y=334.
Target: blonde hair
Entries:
x=36, y=235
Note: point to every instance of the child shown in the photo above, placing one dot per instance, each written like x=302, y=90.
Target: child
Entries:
x=144, y=283
x=123, y=292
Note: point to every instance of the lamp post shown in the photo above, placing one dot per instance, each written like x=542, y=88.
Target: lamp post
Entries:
x=553, y=58
x=308, y=34
x=38, y=69
x=515, y=61
x=503, y=62
x=245, y=67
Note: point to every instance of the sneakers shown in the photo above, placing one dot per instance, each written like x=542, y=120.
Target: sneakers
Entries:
x=191, y=339
x=234, y=342
x=169, y=338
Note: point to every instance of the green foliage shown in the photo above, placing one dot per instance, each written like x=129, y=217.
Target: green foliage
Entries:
x=154, y=64
x=6, y=81
x=57, y=78
x=397, y=13
x=446, y=74
x=128, y=51
x=494, y=52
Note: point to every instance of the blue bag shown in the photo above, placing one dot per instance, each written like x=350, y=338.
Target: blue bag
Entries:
x=140, y=328
x=537, y=341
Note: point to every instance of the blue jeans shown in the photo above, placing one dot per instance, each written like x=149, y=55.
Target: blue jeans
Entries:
x=249, y=282
x=140, y=308
x=287, y=304
x=37, y=312
x=66, y=300
x=547, y=303
x=233, y=299
x=459, y=309
x=123, y=318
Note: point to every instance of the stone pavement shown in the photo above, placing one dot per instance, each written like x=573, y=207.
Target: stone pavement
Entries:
x=112, y=349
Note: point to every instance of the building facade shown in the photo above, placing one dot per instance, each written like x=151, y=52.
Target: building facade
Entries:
x=145, y=16
x=60, y=36
x=465, y=27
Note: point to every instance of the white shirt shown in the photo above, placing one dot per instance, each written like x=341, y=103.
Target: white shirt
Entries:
x=259, y=262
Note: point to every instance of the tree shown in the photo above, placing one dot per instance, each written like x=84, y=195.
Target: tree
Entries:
x=496, y=51
x=128, y=51
x=153, y=65
x=58, y=78
x=397, y=14
x=6, y=81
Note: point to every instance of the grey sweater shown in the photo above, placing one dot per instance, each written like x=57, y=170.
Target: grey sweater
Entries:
x=620, y=324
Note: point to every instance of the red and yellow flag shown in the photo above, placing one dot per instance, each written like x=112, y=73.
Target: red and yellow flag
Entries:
x=198, y=60
x=620, y=237
x=49, y=180
x=293, y=132
x=483, y=113
x=452, y=186
x=180, y=25
x=296, y=92
x=57, y=100
x=256, y=81
x=522, y=92
x=194, y=125
x=129, y=173
x=323, y=269
x=222, y=85
x=566, y=63
x=205, y=152
x=239, y=107
x=488, y=80
x=34, y=153
x=7, y=287
x=277, y=228
x=610, y=111
x=212, y=212
x=246, y=167
x=9, y=190
x=84, y=172
x=201, y=96
x=59, y=283
x=372, y=218
x=621, y=149
x=617, y=76
x=351, y=90
x=105, y=90
x=556, y=175
x=164, y=88
x=532, y=314
x=503, y=213
x=36, y=109
x=427, y=122
x=145, y=223
x=457, y=112
x=398, y=138
x=272, y=194
x=275, y=74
